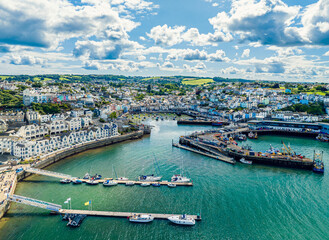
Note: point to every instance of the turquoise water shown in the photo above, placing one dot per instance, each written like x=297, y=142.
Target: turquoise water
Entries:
x=236, y=202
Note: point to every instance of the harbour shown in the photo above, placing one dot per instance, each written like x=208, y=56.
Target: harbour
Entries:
x=240, y=193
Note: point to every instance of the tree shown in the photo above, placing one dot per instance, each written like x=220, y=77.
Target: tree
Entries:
x=113, y=115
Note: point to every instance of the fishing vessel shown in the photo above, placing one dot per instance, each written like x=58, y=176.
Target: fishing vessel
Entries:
x=145, y=184
x=252, y=135
x=182, y=220
x=318, y=166
x=65, y=181
x=109, y=183
x=141, y=218
x=322, y=138
x=171, y=185
x=243, y=160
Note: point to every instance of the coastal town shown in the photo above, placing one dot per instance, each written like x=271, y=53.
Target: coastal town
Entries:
x=47, y=118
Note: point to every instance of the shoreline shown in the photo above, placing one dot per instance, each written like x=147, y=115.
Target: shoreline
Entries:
x=57, y=156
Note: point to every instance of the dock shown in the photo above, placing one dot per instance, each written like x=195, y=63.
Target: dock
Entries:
x=122, y=214
x=48, y=173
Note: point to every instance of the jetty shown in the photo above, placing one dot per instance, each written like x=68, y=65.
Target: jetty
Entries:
x=121, y=214
x=58, y=208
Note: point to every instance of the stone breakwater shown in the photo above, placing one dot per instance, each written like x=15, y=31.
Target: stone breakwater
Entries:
x=61, y=154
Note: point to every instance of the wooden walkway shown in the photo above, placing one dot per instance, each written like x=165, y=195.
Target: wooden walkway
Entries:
x=121, y=214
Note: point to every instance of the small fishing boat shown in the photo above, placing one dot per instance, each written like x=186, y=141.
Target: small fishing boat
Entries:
x=86, y=176
x=92, y=182
x=252, y=135
x=76, y=181
x=109, y=183
x=65, y=181
x=130, y=183
x=182, y=220
x=171, y=185
x=145, y=184
x=243, y=160
x=156, y=184
x=141, y=218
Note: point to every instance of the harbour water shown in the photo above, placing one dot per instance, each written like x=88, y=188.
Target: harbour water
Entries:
x=236, y=202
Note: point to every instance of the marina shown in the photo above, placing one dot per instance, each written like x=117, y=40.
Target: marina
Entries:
x=244, y=192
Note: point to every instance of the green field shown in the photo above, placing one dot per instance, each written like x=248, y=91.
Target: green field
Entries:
x=150, y=78
x=197, y=81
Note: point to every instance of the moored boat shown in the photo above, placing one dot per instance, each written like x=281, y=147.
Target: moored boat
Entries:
x=65, y=181
x=145, y=184
x=156, y=184
x=149, y=178
x=141, y=218
x=179, y=178
x=92, y=182
x=171, y=185
x=86, y=176
x=130, y=183
x=243, y=160
x=76, y=181
x=318, y=166
x=182, y=220
x=109, y=183
x=122, y=179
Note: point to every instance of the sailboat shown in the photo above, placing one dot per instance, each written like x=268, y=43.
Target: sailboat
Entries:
x=180, y=178
x=110, y=182
x=120, y=178
x=152, y=177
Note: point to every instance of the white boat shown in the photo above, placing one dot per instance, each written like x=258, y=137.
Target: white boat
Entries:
x=243, y=160
x=109, y=183
x=122, y=179
x=86, y=176
x=92, y=182
x=171, y=185
x=149, y=178
x=179, y=178
x=182, y=220
x=130, y=183
x=64, y=181
x=141, y=218
x=145, y=184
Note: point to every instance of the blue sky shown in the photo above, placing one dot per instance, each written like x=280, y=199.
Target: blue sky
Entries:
x=252, y=39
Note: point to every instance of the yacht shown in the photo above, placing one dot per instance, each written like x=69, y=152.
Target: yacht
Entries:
x=179, y=178
x=141, y=218
x=182, y=220
x=109, y=183
x=149, y=178
x=145, y=184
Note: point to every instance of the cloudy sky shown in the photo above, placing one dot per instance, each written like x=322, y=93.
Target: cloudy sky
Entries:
x=252, y=39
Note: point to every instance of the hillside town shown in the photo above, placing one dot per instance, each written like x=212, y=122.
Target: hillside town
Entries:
x=38, y=117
